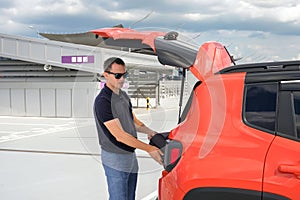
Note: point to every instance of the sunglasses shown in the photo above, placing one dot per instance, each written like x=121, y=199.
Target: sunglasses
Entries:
x=118, y=75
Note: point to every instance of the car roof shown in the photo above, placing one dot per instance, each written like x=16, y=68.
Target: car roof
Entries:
x=279, y=66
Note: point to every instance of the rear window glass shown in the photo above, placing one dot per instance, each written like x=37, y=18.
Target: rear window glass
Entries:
x=260, y=106
x=296, y=99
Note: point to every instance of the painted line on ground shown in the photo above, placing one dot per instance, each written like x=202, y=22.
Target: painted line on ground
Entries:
x=151, y=196
x=60, y=152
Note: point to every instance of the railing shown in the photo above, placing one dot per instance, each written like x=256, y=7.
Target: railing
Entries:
x=170, y=88
x=156, y=93
x=144, y=93
x=68, y=55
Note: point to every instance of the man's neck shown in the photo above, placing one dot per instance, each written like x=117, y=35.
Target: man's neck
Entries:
x=113, y=89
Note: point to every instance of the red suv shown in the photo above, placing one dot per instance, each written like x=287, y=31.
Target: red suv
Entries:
x=238, y=137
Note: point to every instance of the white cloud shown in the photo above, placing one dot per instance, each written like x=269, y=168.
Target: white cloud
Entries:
x=196, y=16
x=41, y=7
x=248, y=27
x=288, y=14
x=122, y=15
x=273, y=3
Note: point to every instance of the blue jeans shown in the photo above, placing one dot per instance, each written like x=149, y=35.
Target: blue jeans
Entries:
x=121, y=185
x=121, y=174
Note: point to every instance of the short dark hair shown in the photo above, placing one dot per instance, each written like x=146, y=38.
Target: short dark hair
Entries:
x=108, y=63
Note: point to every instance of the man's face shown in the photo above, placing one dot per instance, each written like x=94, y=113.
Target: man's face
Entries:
x=111, y=81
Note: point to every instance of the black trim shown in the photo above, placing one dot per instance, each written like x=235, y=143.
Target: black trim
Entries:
x=188, y=104
x=213, y=193
x=272, y=196
x=285, y=115
x=181, y=92
x=127, y=43
x=272, y=76
x=264, y=67
x=167, y=162
x=290, y=86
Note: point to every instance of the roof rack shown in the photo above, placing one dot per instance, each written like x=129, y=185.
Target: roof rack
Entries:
x=263, y=67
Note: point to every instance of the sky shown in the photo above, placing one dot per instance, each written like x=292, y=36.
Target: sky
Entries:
x=253, y=30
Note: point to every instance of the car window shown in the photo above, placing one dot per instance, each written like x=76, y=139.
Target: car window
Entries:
x=296, y=101
x=288, y=124
x=260, y=106
x=188, y=104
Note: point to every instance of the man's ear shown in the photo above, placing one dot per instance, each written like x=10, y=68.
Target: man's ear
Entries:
x=105, y=74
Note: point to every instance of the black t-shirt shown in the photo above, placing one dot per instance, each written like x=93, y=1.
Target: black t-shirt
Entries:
x=108, y=106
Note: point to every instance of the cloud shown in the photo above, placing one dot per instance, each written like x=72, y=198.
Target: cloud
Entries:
x=195, y=15
x=258, y=34
x=271, y=25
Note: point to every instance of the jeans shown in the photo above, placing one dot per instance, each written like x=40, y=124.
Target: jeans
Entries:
x=121, y=175
x=121, y=185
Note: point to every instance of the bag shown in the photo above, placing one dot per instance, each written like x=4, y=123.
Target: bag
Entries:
x=159, y=140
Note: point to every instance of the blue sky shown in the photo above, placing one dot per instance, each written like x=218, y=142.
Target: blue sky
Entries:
x=256, y=30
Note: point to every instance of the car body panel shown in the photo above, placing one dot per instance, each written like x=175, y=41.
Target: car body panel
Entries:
x=283, y=153
x=219, y=150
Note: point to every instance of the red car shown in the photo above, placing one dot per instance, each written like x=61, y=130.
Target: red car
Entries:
x=238, y=137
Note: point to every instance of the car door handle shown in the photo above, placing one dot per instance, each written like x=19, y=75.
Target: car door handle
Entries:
x=291, y=169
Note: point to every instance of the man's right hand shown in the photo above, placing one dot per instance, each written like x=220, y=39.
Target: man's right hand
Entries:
x=156, y=154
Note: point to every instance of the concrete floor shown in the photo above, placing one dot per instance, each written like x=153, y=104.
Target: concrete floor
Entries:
x=58, y=159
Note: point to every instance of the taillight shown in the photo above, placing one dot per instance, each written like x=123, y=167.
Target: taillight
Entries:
x=173, y=152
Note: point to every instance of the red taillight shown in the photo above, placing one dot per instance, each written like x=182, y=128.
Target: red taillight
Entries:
x=172, y=155
x=175, y=154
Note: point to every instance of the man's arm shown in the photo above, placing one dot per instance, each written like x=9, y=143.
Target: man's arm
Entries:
x=142, y=128
x=115, y=127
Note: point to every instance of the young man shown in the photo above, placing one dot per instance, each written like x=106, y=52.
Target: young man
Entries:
x=117, y=133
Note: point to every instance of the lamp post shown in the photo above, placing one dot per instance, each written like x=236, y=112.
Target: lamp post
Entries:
x=33, y=28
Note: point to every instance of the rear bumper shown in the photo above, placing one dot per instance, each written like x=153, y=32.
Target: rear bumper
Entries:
x=168, y=188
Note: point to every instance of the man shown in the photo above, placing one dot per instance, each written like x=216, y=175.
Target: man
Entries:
x=117, y=132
